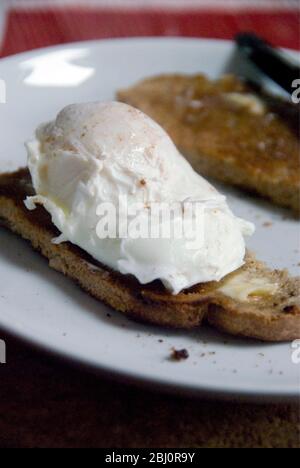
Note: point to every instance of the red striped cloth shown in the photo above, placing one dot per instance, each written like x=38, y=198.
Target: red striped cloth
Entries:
x=32, y=28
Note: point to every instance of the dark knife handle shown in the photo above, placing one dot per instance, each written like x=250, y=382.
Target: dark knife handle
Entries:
x=268, y=59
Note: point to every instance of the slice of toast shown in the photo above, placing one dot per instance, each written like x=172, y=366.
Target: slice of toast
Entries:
x=253, y=301
x=227, y=131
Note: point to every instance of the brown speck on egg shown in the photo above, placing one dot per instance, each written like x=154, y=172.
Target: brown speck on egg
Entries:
x=143, y=182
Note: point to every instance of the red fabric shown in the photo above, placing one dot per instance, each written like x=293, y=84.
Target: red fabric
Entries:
x=43, y=27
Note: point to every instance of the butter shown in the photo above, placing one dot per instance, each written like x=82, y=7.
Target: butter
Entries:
x=243, y=287
x=249, y=101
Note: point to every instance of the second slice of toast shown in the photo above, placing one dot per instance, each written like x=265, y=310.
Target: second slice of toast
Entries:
x=227, y=132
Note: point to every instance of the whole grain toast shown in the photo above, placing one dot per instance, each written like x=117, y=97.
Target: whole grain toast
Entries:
x=227, y=131
x=253, y=301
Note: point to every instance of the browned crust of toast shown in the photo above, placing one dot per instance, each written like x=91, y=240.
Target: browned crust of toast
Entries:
x=274, y=318
x=259, y=153
x=228, y=319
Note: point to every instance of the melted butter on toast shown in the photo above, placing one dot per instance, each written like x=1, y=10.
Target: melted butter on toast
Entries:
x=243, y=287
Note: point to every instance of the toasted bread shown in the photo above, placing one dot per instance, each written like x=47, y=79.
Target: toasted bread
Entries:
x=227, y=132
x=253, y=301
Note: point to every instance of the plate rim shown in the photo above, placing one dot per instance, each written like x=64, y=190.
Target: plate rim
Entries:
x=92, y=42
x=208, y=391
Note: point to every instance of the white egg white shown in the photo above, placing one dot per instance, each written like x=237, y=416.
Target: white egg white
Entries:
x=95, y=153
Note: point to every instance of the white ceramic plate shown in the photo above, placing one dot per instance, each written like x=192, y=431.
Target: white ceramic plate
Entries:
x=47, y=309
